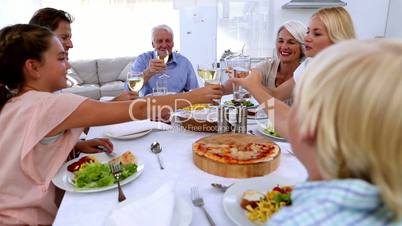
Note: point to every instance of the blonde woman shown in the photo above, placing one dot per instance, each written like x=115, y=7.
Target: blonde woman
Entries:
x=346, y=130
x=290, y=53
x=327, y=26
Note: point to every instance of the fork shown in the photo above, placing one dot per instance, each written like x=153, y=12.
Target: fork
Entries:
x=116, y=171
x=104, y=150
x=199, y=202
x=289, y=152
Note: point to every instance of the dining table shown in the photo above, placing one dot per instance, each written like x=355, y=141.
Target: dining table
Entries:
x=93, y=208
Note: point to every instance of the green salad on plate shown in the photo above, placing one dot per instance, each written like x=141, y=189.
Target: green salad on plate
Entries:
x=234, y=103
x=271, y=131
x=97, y=175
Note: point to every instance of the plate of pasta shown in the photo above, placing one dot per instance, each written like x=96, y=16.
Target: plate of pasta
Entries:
x=263, y=188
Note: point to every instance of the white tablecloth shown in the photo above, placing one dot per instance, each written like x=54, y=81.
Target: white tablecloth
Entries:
x=92, y=208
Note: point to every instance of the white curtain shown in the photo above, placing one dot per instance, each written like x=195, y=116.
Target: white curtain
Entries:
x=246, y=24
x=111, y=28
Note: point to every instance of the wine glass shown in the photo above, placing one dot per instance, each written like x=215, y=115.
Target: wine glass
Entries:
x=241, y=67
x=163, y=55
x=135, y=80
x=211, y=75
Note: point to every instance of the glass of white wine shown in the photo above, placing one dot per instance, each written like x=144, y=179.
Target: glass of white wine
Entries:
x=135, y=80
x=163, y=55
x=210, y=74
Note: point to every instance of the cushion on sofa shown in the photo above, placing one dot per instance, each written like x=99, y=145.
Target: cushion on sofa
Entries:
x=114, y=88
x=109, y=69
x=123, y=74
x=86, y=70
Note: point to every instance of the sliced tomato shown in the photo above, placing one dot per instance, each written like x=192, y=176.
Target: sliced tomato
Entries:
x=77, y=165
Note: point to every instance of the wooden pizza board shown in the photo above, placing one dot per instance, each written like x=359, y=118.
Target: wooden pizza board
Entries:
x=198, y=125
x=235, y=170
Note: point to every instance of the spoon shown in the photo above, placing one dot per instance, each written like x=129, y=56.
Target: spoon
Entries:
x=221, y=187
x=156, y=149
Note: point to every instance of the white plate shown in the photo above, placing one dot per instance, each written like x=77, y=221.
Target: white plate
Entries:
x=230, y=97
x=261, y=129
x=206, y=114
x=160, y=94
x=129, y=136
x=63, y=178
x=232, y=197
x=251, y=107
x=260, y=114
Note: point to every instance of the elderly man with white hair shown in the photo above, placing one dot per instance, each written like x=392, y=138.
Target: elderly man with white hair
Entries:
x=180, y=73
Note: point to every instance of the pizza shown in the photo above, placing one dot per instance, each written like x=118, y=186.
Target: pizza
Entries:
x=236, y=149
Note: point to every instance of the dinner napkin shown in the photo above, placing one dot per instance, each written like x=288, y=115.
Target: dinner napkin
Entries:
x=106, y=98
x=153, y=210
x=127, y=128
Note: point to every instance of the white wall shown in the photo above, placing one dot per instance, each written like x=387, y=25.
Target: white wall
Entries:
x=198, y=22
x=197, y=39
x=369, y=17
x=198, y=28
x=198, y=33
x=394, y=29
x=102, y=28
x=22, y=11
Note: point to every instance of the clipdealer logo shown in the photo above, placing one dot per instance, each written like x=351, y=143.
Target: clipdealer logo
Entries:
x=155, y=110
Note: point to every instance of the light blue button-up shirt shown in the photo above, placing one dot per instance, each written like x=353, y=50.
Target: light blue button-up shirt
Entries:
x=335, y=202
x=181, y=74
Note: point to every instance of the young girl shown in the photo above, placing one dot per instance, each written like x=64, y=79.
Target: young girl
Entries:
x=345, y=127
x=40, y=128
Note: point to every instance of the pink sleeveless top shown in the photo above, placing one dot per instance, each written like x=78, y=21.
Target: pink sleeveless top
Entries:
x=27, y=195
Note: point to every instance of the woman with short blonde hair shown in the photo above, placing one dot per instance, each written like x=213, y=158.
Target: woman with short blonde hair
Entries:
x=346, y=129
x=290, y=52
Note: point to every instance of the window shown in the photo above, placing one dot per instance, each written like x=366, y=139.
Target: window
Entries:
x=112, y=28
x=245, y=24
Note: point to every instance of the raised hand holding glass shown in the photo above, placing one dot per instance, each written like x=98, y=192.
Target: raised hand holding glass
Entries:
x=163, y=55
x=241, y=67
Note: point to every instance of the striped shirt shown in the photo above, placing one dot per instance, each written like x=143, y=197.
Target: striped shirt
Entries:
x=336, y=202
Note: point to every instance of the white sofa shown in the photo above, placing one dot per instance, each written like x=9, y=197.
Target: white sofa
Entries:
x=98, y=77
